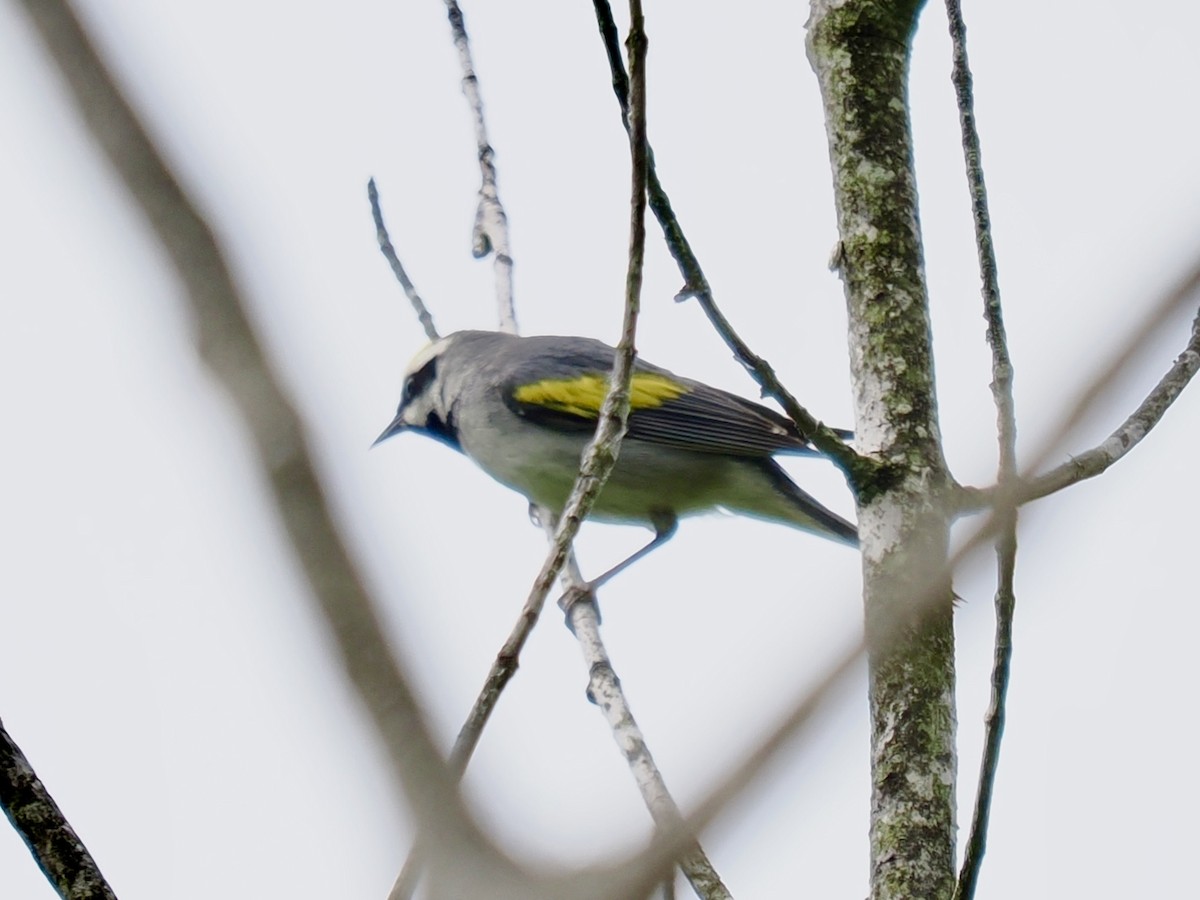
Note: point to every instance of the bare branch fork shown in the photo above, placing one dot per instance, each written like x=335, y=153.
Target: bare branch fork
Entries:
x=1004, y=500
x=1006, y=435
x=1011, y=491
x=490, y=234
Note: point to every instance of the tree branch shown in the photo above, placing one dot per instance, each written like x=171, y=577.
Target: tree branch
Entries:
x=858, y=469
x=1006, y=428
x=389, y=253
x=58, y=850
x=597, y=463
x=1128, y=435
x=604, y=688
x=490, y=234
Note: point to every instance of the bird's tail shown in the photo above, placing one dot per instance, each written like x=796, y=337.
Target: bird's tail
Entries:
x=803, y=511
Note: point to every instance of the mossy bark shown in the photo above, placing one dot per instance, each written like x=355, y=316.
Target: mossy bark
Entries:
x=860, y=52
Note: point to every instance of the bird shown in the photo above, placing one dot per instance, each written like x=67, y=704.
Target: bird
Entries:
x=524, y=408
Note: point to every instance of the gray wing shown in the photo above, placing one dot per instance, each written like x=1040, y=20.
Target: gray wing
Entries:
x=703, y=419
x=709, y=420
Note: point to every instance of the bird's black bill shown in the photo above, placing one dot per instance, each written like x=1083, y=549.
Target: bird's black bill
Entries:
x=394, y=427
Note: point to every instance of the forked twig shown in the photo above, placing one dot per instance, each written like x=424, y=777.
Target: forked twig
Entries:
x=490, y=234
x=1006, y=433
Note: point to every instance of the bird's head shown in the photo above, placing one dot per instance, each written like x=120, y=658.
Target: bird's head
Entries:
x=425, y=406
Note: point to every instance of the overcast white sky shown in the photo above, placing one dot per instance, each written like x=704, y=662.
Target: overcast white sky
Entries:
x=161, y=664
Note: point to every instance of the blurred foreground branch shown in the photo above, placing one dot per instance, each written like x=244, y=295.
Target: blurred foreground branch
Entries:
x=1125, y=437
x=230, y=349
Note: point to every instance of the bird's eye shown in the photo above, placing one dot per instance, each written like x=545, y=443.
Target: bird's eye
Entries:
x=418, y=381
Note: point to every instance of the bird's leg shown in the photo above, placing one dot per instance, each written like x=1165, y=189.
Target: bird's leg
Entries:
x=665, y=523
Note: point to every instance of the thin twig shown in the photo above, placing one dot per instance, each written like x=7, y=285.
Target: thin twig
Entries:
x=229, y=347
x=490, y=234
x=1172, y=299
x=994, y=721
x=1006, y=433
x=389, y=253
x=1128, y=435
x=604, y=688
x=59, y=852
x=695, y=284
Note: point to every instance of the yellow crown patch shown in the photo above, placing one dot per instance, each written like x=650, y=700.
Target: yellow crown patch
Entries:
x=583, y=395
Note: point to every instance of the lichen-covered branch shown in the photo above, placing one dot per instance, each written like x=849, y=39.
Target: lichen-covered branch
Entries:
x=860, y=53
x=59, y=852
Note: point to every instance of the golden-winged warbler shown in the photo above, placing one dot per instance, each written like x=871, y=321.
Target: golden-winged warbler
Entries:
x=524, y=408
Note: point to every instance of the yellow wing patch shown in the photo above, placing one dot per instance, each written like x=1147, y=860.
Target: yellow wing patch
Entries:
x=582, y=396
